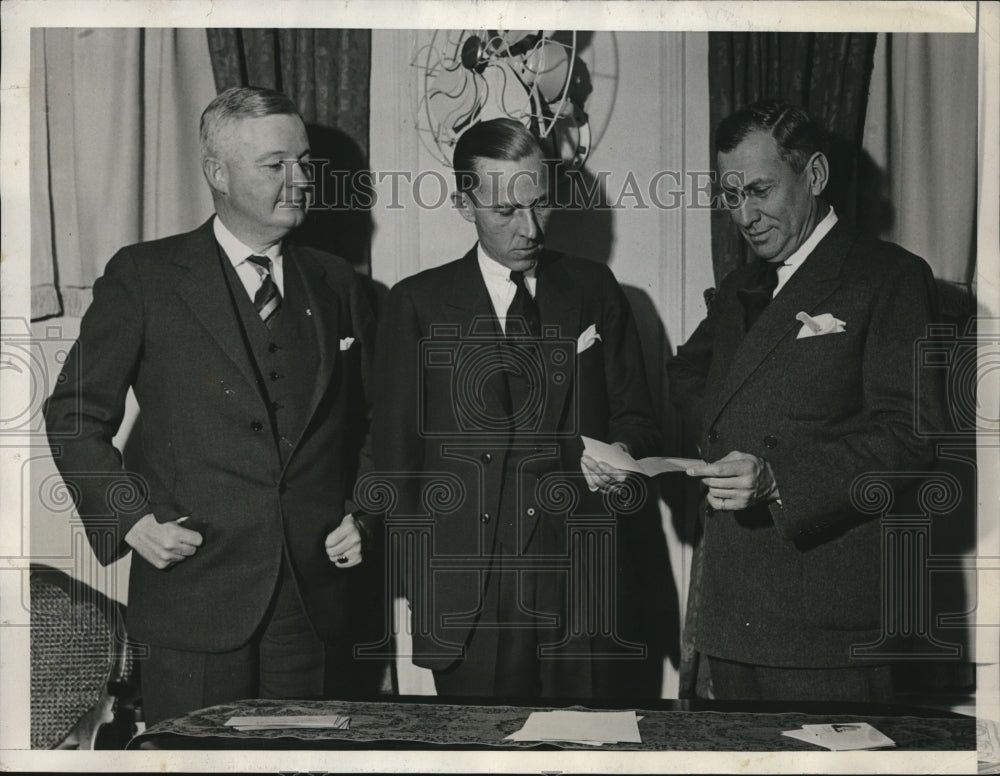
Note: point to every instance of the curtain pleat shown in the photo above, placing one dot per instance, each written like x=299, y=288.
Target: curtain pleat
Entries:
x=114, y=150
x=924, y=96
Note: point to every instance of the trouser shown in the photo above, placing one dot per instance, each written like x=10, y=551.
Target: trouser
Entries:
x=745, y=682
x=284, y=659
x=509, y=652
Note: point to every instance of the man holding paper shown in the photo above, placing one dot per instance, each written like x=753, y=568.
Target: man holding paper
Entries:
x=489, y=369
x=800, y=380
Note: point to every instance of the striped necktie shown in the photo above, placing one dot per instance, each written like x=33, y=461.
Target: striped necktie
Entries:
x=267, y=300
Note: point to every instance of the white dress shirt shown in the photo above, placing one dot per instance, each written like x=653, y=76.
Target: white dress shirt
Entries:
x=499, y=284
x=238, y=253
x=793, y=262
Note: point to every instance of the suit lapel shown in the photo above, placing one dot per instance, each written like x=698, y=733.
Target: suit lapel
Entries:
x=205, y=291
x=325, y=305
x=813, y=282
x=559, y=306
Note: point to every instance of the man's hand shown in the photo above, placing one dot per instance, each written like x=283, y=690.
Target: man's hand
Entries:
x=737, y=481
x=601, y=476
x=163, y=544
x=343, y=544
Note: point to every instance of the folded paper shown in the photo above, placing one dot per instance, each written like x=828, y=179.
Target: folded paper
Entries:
x=286, y=722
x=619, y=459
x=584, y=727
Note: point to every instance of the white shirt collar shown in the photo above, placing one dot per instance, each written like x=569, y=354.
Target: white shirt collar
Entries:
x=500, y=287
x=793, y=262
x=236, y=250
x=810, y=243
x=493, y=270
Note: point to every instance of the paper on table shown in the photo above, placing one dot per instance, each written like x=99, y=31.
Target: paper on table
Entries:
x=328, y=721
x=587, y=727
x=842, y=737
x=615, y=456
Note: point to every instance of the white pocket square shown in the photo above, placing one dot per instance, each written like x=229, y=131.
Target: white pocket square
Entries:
x=587, y=338
x=815, y=326
x=346, y=342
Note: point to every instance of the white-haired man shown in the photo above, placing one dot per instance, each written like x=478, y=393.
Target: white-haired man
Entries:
x=247, y=357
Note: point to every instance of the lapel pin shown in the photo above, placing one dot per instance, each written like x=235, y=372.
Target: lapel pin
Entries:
x=309, y=311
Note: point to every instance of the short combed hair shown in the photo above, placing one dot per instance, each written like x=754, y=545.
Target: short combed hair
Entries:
x=240, y=102
x=498, y=139
x=797, y=134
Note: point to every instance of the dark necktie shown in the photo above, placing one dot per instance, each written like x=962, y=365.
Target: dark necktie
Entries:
x=523, y=310
x=757, y=296
x=267, y=300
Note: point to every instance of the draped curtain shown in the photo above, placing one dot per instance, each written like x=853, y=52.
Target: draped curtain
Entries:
x=114, y=151
x=827, y=73
x=326, y=73
x=924, y=95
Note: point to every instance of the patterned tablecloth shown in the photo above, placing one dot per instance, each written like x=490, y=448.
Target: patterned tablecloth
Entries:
x=381, y=725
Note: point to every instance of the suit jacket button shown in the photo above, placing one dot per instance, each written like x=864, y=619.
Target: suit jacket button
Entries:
x=486, y=457
x=272, y=348
x=274, y=376
x=713, y=436
x=771, y=441
x=485, y=517
x=257, y=425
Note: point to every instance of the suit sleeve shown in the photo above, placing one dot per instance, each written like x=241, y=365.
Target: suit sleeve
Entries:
x=363, y=327
x=687, y=373
x=396, y=444
x=815, y=484
x=630, y=409
x=86, y=408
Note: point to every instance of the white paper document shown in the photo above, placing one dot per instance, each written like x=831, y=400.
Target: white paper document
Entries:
x=325, y=721
x=584, y=727
x=615, y=456
x=842, y=737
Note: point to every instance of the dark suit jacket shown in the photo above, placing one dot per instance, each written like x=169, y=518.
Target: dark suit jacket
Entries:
x=440, y=389
x=797, y=584
x=162, y=322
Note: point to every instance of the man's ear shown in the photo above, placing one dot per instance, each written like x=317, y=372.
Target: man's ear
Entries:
x=216, y=174
x=818, y=169
x=463, y=203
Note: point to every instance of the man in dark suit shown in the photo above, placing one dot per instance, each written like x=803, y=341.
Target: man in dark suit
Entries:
x=489, y=369
x=247, y=356
x=799, y=381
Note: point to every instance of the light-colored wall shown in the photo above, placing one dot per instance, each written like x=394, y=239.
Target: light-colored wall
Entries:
x=650, y=105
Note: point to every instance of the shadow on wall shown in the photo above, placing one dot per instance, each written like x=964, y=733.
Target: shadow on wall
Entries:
x=340, y=221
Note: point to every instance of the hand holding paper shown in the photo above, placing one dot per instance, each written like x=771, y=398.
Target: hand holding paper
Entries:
x=618, y=458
